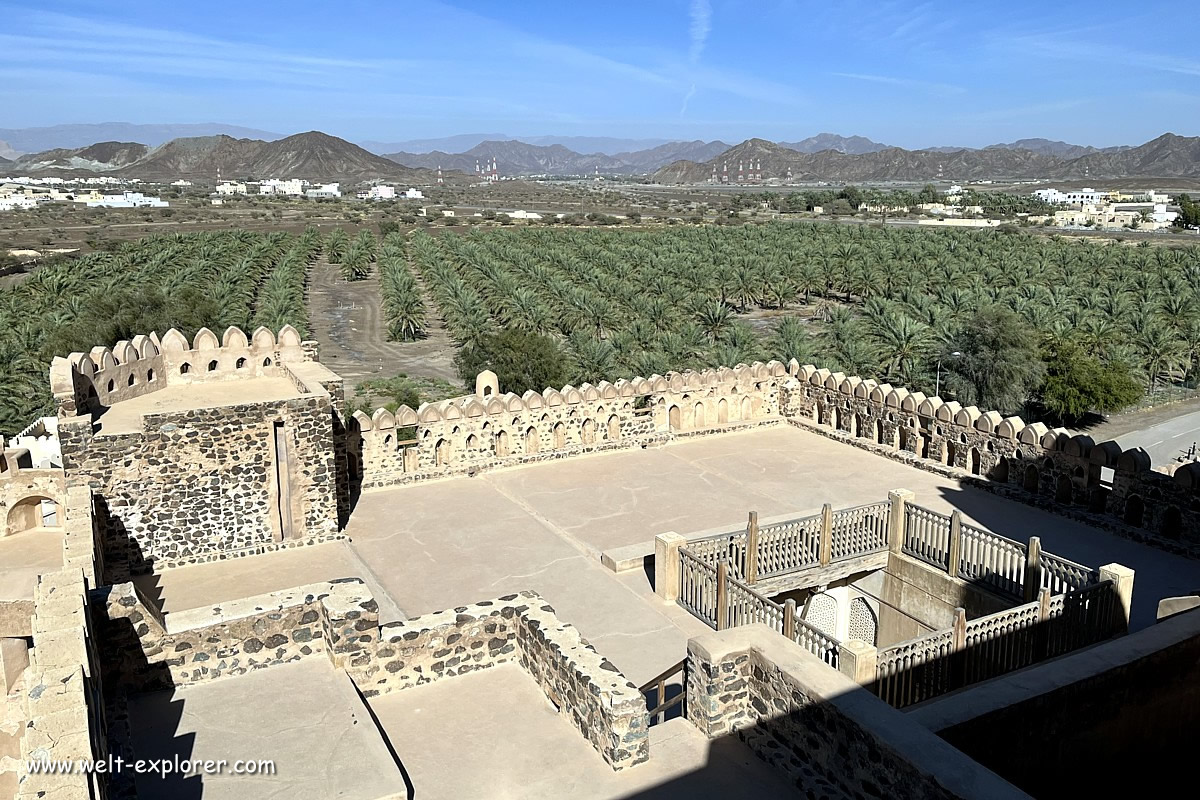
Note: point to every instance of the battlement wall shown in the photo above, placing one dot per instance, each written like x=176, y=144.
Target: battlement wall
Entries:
x=84, y=383
x=1055, y=468
x=487, y=430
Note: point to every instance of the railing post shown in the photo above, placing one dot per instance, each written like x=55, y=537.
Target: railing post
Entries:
x=1122, y=583
x=722, y=595
x=752, y=548
x=955, y=554
x=667, y=565
x=1041, y=643
x=1033, y=568
x=858, y=661
x=826, y=551
x=789, y=619
x=896, y=518
x=958, y=649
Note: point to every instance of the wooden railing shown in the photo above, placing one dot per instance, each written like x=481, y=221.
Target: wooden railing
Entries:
x=789, y=546
x=927, y=535
x=993, y=560
x=1060, y=575
x=984, y=648
x=860, y=531
x=658, y=685
x=698, y=587
x=915, y=670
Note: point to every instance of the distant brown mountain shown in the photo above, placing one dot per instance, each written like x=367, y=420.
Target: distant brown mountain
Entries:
x=1166, y=156
x=99, y=157
x=313, y=155
x=515, y=157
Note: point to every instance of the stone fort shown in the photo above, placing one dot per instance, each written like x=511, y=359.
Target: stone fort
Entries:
x=759, y=580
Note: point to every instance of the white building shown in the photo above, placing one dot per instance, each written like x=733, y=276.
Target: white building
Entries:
x=325, y=191
x=17, y=202
x=181, y=182
x=292, y=188
x=228, y=188
x=378, y=193
x=127, y=200
x=413, y=194
x=530, y=215
x=1079, y=197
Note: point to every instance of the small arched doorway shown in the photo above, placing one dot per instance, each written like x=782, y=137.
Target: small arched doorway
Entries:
x=32, y=513
x=1000, y=471
x=587, y=433
x=673, y=417
x=1172, y=523
x=951, y=454
x=614, y=428
x=1062, y=489
x=747, y=408
x=1031, y=480
x=441, y=452
x=1135, y=510
x=722, y=411
x=698, y=416
x=531, y=440
x=502, y=444
x=976, y=462
x=560, y=435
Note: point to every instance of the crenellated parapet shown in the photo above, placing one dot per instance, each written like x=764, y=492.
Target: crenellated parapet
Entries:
x=1055, y=465
x=83, y=383
x=489, y=429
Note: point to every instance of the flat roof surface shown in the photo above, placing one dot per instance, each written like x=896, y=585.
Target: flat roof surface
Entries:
x=126, y=416
x=493, y=733
x=23, y=556
x=306, y=717
x=441, y=544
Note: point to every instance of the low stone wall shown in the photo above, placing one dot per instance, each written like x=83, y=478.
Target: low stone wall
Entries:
x=824, y=732
x=1129, y=704
x=63, y=703
x=520, y=628
x=145, y=650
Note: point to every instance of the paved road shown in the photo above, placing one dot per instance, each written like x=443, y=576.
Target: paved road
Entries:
x=1163, y=432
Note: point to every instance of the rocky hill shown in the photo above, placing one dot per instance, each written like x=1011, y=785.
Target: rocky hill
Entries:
x=1049, y=147
x=99, y=157
x=1167, y=156
x=515, y=157
x=851, y=145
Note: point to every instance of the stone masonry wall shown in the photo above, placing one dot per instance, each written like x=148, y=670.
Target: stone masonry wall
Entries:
x=487, y=430
x=144, y=651
x=607, y=709
x=827, y=735
x=200, y=484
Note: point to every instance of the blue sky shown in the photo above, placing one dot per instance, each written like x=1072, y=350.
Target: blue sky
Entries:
x=910, y=74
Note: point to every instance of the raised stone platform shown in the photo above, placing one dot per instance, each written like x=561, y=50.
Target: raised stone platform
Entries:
x=126, y=416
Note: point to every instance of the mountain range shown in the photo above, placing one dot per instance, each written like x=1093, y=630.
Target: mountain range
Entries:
x=313, y=155
x=515, y=157
x=1167, y=156
x=53, y=137
x=826, y=157
x=462, y=142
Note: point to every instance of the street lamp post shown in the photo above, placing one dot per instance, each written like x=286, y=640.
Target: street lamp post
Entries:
x=937, y=387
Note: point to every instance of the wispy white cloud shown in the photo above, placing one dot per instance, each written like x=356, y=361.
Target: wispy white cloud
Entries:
x=701, y=24
x=1033, y=109
x=911, y=83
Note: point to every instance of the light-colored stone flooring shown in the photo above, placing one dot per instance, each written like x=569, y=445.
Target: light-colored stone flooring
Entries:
x=307, y=717
x=23, y=556
x=493, y=734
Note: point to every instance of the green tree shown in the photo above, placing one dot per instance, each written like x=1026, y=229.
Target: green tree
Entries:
x=1077, y=383
x=998, y=363
x=521, y=359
